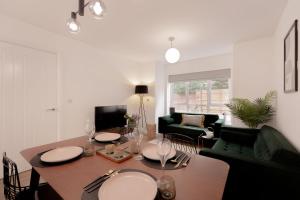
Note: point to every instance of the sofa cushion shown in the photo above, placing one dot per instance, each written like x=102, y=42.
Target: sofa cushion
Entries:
x=193, y=120
x=261, y=150
x=233, y=148
x=209, y=118
x=192, y=131
x=272, y=145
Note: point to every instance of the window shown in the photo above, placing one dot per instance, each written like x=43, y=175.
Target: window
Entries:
x=203, y=96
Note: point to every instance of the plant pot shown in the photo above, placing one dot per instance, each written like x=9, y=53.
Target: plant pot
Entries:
x=131, y=124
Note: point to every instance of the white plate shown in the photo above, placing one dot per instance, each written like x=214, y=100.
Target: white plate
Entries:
x=107, y=137
x=150, y=152
x=128, y=186
x=61, y=154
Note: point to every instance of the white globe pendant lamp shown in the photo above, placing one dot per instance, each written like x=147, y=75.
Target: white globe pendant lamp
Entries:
x=172, y=55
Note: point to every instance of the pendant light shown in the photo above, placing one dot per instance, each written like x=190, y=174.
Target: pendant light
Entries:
x=172, y=55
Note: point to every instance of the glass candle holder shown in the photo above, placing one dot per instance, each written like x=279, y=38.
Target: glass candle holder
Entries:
x=166, y=187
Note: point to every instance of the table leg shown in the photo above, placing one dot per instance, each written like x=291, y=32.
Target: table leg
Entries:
x=34, y=180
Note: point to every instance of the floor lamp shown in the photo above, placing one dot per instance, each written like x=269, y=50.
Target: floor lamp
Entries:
x=141, y=90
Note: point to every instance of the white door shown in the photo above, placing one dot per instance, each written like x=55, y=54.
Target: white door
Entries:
x=28, y=100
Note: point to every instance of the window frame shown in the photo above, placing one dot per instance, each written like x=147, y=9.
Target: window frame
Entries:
x=209, y=95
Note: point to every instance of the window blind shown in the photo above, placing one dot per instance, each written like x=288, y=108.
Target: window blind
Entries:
x=206, y=75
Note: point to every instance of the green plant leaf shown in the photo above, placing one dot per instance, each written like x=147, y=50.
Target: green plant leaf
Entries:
x=253, y=113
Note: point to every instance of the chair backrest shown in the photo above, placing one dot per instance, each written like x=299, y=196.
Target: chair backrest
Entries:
x=183, y=143
x=11, y=180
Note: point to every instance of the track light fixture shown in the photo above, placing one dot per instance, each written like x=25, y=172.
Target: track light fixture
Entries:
x=96, y=7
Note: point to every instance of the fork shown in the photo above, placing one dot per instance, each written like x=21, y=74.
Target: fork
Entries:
x=186, y=162
x=176, y=159
x=180, y=161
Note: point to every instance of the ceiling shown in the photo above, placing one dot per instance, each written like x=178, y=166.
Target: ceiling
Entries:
x=139, y=29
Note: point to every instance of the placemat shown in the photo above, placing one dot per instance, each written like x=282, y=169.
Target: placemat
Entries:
x=155, y=164
x=36, y=160
x=94, y=194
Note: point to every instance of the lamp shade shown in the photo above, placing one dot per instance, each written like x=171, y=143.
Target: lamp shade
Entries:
x=141, y=89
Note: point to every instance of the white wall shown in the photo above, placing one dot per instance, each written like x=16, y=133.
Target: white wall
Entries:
x=252, y=72
x=216, y=62
x=160, y=90
x=88, y=76
x=288, y=103
x=252, y=75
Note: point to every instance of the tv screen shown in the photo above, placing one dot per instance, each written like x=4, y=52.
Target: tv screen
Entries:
x=107, y=117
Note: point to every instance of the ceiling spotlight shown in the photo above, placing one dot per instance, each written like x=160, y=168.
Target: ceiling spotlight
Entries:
x=172, y=54
x=97, y=8
x=72, y=24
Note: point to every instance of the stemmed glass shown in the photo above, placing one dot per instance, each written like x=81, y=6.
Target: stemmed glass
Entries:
x=89, y=130
x=138, y=137
x=163, y=149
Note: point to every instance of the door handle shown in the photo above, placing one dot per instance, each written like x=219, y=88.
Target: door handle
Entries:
x=51, y=109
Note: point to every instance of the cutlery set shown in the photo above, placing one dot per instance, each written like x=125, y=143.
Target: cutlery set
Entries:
x=96, y=183
x=181, y=160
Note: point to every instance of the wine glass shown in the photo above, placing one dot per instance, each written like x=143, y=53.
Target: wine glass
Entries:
x=89, y=130
x=138, y=137
x=163, y=149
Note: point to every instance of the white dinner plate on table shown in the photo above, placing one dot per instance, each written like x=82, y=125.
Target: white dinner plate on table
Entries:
x=150, y=152
x=128, y=186
x=61, y=154
x=107, y=137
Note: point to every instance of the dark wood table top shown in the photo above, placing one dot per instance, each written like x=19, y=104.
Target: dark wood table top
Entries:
x=204, y=178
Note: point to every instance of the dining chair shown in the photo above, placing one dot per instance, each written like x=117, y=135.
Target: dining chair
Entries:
x=183, y=143
x=13, y=190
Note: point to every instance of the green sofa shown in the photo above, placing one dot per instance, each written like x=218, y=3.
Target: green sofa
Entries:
x=172, y=124
x=263, y=164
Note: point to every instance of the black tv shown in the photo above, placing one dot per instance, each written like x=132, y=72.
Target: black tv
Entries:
x=107, y=117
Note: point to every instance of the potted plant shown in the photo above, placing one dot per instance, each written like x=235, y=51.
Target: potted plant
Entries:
x=253, y=113
x=131, y=120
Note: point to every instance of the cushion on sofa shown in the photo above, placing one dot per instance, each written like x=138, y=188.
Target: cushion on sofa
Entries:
x=192, y=131
x=272, y=145
x=233, y=148
x=209, y=118
x=193, y=120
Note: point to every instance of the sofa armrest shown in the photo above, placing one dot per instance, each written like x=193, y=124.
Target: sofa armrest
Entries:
x=229, y=158
x=265, y=172
x=245, y=136
x=163, y=122
x=217, y=127
x=246, y=163
x=240, y=129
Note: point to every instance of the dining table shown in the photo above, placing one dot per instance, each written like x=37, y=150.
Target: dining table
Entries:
x=203, y=178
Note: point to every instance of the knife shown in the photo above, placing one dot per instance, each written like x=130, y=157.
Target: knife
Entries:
x=180, y=161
